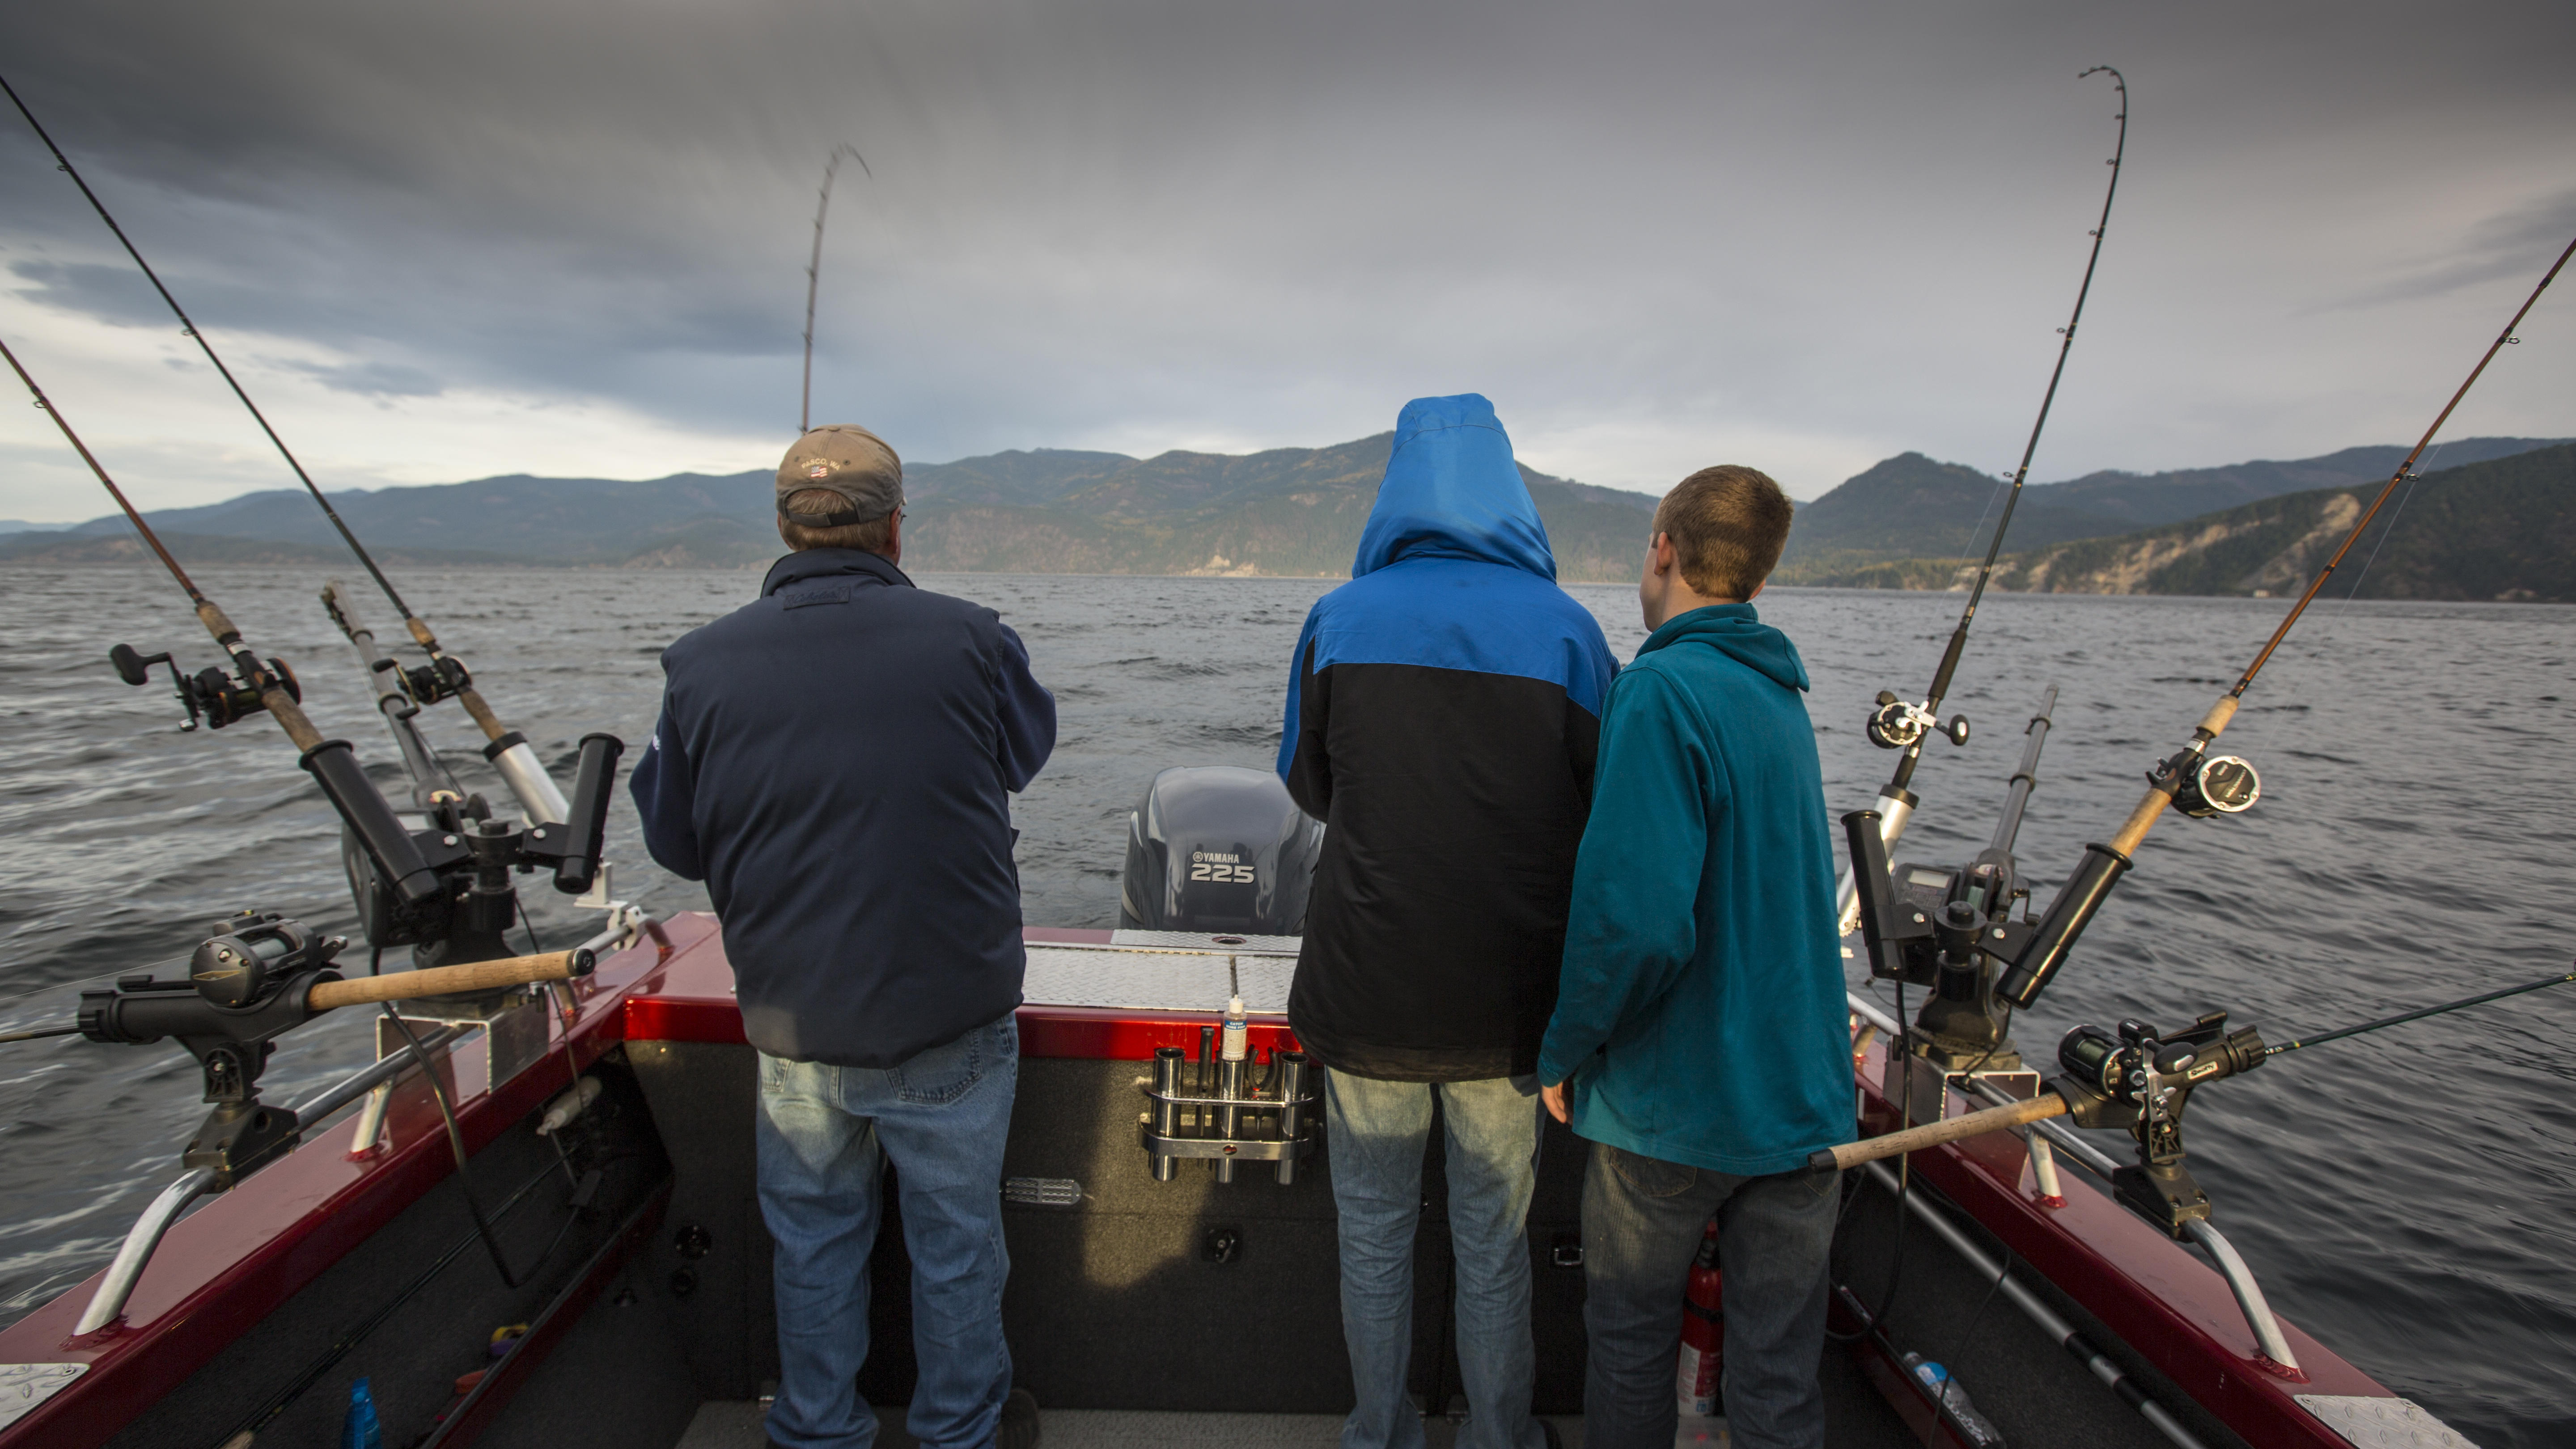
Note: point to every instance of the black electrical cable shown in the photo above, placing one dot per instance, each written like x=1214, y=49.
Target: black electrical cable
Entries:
x=1874, y=1325
x=464, y=1174
x=342, y=1346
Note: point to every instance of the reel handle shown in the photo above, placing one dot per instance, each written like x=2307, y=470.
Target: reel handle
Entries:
x=448, y=980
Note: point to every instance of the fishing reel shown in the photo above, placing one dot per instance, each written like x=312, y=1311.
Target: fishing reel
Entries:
x=475, y=860
x=2207, y=785
x=2141, y=1080
x=246, y=986
x=427, y=684
x=1899, y=725
x=210, y=695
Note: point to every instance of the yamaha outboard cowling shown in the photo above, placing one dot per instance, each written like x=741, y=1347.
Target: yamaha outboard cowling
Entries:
x=1217, y=848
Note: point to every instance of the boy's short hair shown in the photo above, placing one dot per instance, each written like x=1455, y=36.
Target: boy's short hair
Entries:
x=1728, y=525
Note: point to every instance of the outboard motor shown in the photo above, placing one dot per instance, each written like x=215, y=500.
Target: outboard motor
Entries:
x=1218, y=848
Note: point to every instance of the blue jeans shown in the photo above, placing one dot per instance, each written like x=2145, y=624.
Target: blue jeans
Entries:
x=1377, y=1132
x=1643, y=1219
x=825, y=1135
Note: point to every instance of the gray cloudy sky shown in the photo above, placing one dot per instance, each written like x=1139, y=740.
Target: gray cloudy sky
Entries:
x=443, y=241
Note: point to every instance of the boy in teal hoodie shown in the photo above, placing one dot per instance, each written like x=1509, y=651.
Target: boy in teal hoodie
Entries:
x=1701, y=1039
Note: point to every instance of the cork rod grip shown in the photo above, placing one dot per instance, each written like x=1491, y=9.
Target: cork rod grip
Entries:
x=447, y=980
x=472, y=699
x=1933, y=1134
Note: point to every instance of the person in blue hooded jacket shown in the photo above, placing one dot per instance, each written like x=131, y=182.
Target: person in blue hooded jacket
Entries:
x=1700, y=1016
x=1442, y=714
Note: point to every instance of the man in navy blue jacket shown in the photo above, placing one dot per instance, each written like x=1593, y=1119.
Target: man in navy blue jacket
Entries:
x=1442, y=713
x=834, y=760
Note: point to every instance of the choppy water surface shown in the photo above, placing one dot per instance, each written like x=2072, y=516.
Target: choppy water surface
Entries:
x=2407, y=1196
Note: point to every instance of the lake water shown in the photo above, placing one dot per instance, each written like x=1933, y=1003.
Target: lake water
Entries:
x=2409, y=1197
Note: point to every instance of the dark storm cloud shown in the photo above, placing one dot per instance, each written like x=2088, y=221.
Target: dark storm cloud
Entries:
x=1168, y=222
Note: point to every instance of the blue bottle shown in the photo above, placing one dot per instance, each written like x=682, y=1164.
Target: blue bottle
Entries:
x=360, y=1429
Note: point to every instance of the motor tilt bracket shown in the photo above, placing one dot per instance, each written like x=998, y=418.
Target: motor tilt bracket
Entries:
x=210, y=695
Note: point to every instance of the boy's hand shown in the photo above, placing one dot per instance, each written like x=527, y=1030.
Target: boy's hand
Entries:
x=1554, y=1099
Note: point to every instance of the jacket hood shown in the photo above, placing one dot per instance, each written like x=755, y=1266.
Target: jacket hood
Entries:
x=1737, y=632
x=1452, y=491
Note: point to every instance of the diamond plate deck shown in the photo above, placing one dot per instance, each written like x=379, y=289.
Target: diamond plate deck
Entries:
x=1143, y=980
x=2377, y=1423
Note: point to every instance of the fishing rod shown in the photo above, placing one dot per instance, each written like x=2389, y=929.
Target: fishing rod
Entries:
x=445, y=889
x=2199, y=784
x=396, y=700
x=1897, y=724
x=447, y=675
x=2126, y=1067
x=255, y=687
x=814, y=276
x=2420, y=1013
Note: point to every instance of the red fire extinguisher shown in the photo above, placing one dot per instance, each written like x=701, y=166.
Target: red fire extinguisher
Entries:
x=1703, y=1332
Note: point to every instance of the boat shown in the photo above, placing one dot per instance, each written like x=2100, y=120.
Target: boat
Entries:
x=533, y=1220
x=1169, y=1213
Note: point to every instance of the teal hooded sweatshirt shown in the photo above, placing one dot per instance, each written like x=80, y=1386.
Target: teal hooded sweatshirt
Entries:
x=1700, y=1010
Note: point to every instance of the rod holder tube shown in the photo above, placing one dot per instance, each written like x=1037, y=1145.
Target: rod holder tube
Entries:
x=1229, y=1085
x=1165, y=1117
x=587, y=823
x=1292, y=1093
x=528, y=780
x=1894, y=811
x=334, y=766
x=2068, y=915
x=108, y=1304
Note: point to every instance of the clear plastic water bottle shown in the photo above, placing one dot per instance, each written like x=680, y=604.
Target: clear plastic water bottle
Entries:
x=1973, y=1427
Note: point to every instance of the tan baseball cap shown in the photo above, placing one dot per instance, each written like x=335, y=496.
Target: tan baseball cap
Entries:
x=844, y=459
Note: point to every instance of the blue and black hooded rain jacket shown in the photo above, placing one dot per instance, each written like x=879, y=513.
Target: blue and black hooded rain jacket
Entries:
x=1442, y=714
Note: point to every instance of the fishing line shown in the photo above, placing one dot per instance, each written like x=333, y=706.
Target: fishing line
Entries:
x=2419, y=1014
x=508, y=752
x=188, y=328
x=1949, y=665
x=814, y=276
x=2189, y=774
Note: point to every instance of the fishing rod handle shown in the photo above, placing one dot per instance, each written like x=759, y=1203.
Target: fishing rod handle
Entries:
x=1930, y=1134
x=447, y=980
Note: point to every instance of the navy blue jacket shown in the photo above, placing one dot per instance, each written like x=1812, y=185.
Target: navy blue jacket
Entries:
x=1442, y=713
x=834, y=761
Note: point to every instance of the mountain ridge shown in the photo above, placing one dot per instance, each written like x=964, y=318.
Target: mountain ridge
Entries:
x=1905, y=522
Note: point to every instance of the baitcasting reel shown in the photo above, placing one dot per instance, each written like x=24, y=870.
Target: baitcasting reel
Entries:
x=2142, y=1080
x=1898, y=725
x=2207, y=785
x=246, y=986
x=423, y=684
x=210, y=695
